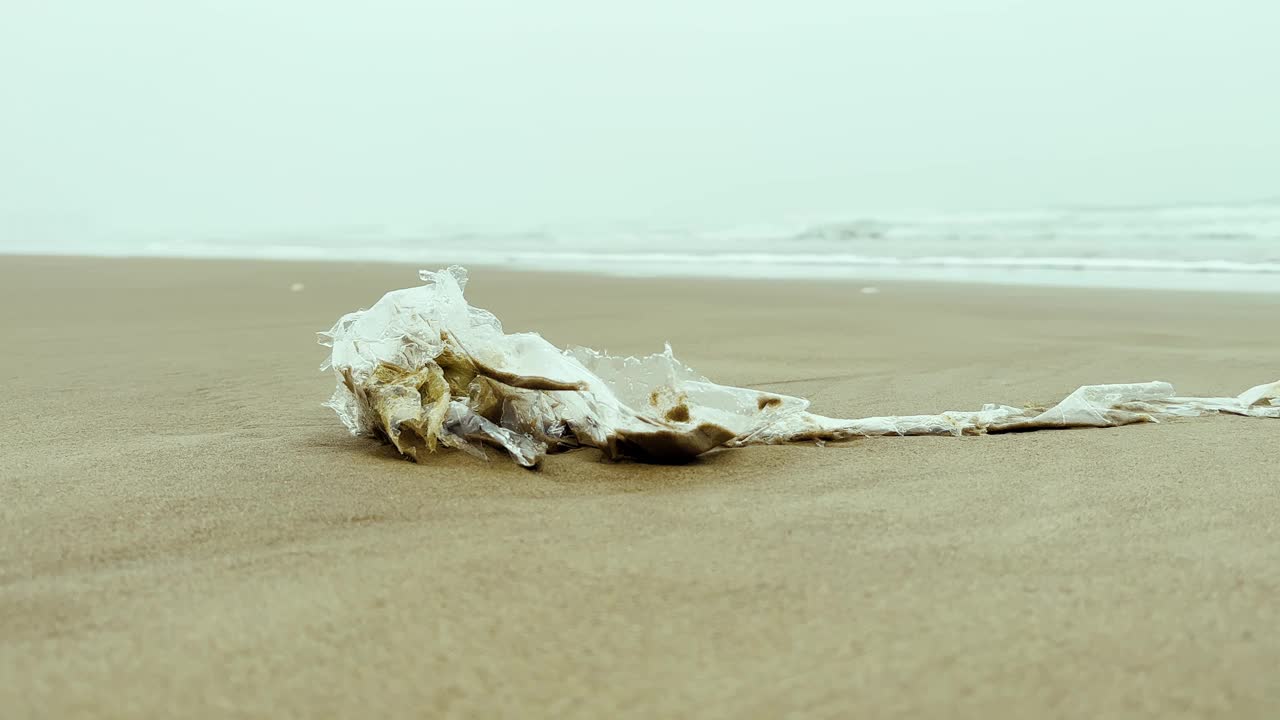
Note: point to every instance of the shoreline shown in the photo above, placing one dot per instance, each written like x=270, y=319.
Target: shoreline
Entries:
x=1234, y=283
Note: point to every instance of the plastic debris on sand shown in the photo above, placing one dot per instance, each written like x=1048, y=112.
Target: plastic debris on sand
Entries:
x=422, y=369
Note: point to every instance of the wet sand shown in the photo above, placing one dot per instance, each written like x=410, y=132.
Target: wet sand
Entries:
x=185, y=532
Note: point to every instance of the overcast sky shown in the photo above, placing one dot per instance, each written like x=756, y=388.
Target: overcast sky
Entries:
x=257, y=116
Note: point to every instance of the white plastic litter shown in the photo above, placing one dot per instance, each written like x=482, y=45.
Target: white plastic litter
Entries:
x=422, y=369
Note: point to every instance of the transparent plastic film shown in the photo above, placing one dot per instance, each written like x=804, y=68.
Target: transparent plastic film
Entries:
x=423, y=370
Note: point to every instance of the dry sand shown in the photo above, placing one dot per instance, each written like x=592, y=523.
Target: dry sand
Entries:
x=185, y=532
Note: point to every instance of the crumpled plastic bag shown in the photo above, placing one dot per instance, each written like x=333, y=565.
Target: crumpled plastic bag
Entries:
x=422, y=369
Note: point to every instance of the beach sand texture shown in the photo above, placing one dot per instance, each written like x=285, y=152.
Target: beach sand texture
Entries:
x=186, y=532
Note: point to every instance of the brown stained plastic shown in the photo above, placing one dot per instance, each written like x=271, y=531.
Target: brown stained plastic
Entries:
x=422, y=369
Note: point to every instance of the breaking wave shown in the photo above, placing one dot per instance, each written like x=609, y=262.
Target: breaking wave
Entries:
x=1233, y=247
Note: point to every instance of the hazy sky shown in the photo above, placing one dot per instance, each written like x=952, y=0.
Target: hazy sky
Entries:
x=255, y=116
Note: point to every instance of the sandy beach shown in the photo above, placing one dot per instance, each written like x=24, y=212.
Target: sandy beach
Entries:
x=186, y=532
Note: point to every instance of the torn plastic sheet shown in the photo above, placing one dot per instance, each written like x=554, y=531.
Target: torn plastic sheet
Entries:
x=422, y=369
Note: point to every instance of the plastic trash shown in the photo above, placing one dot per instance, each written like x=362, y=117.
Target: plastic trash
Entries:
x=422, y=369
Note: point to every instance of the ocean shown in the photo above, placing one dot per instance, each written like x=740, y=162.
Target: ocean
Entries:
x=1204, y=247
